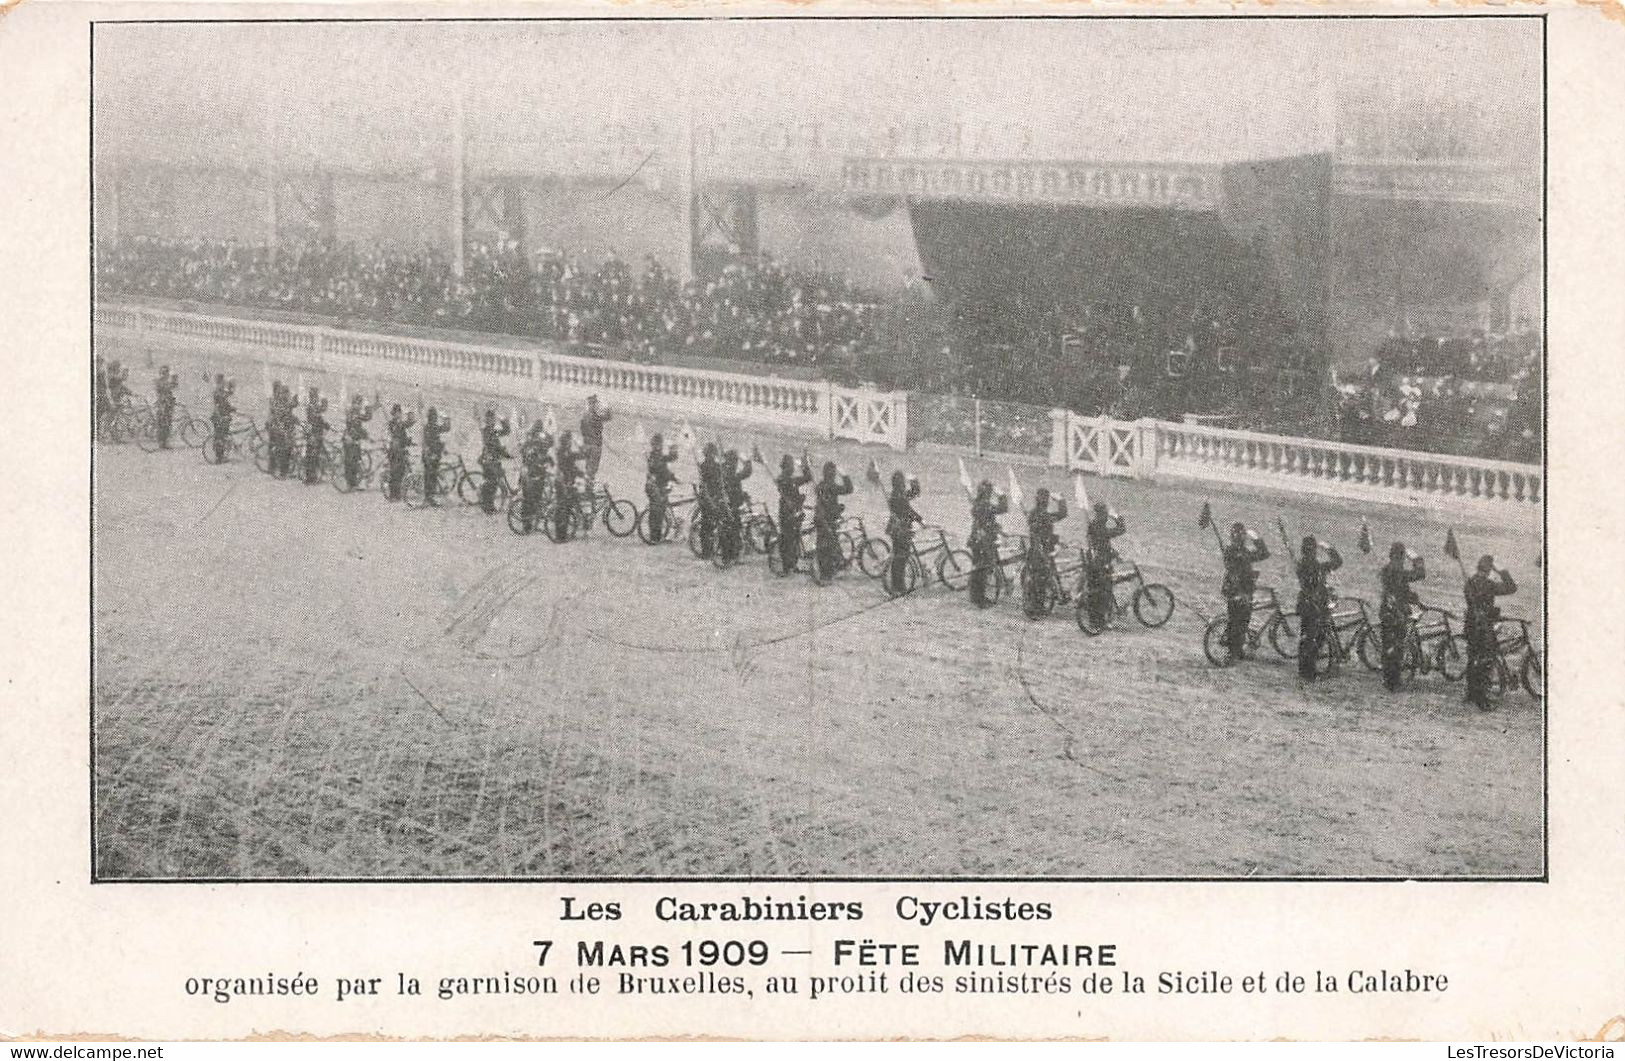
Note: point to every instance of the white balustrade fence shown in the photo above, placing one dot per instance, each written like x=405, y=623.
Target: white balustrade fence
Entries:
x=796, y=406
x=1155, y=449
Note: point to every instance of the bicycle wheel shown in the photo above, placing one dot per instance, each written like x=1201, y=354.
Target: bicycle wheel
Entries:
x=1086, y=621
x=694, y=544
x=1213, y=642
x=1153, y=604
x=148, y=438
x=1532, y=675
x=210, y=456
x=1037, y=595
x=775, y=558
x=911, y=578
x=954, y=568
x=1452, y=657
x=1368, y=646
x=1284, y=632
x=849, y=548
x=262, y=453
x=759, y=530
x=412, y=490
x=621, y=518
x=561, y=524
x=468, y=487
x=194, y=433
x=874, y=558
x=516, y=518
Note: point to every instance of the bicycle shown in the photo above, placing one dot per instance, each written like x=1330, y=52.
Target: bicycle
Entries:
x=366, y=467
x=1273, y=626
x=1428, y=645
x=952, y=568
x=1042, y=584
x=517, y=520
x=673, y=528
x=1511, y=639
x=593, y=504
x=1151, y=602
x=244, y=437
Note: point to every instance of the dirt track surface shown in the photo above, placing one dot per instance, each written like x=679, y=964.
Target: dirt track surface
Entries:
x=291, y=682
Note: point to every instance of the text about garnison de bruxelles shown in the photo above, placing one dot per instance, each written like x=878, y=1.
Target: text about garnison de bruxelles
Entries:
x=756, y=947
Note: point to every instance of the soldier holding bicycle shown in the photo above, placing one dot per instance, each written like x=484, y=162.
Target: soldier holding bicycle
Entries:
x=1486, y=584
x=1043, y=539
x=792, y=503
x=1245, y=549
x=734, y=500
x=220, y=419
x=315, y=436
x=164, y=411
x=985, y=510
x=1314, y=601
x=712, y=498
x=355, y=433
x=827, y=513
x=1104, y=525
x=592, y=435
x=434, y=451
x=492, y=454
x=400, y=444
x=657, y=479
x=900, y=527
x=566, y=499
x=1394, y=609
x=535, y=457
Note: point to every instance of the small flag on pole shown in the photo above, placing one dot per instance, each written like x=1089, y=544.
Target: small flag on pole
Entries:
x=1365, y=537
x=964, y=478
x=1079, y=494
x=806, y=463
x=550, y=423
x=1016, y=499
x=1205, y=520
x=1451, y=549
x=873, y=472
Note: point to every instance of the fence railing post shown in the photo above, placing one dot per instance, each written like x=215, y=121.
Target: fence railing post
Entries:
x=899, y=420
x=1057, y=437
x=1149, y=446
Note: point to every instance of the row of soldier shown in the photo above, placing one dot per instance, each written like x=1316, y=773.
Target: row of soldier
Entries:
x=722, y=502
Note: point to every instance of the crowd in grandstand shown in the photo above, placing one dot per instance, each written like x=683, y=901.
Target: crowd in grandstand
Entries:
x=1247, y=367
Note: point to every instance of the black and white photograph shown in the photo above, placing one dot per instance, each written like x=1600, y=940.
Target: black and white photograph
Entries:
x=818, y=449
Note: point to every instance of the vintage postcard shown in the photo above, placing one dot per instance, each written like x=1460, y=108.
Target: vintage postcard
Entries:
x=901, y=522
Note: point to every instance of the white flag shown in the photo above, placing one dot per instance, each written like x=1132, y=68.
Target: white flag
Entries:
x=1016, y=500
x=550, y=423
x=964, y=478
x=1080, y=493
x=639, y=439
x=685, y=440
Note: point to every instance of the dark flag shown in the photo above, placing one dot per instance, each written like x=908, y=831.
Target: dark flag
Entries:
x=1205, y=520
x=1365, y=537
x=1451, y=549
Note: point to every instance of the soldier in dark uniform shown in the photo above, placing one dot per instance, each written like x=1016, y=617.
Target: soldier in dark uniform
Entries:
x=1482, y=588
x=657, y=479
x=434, y=451
x=164, y=410
x=1394, y=609
x=288, y=432
x=492, y=454
x=735, y=500
x=535, y=458
x=400, y=444
x=900, y=521
x=355, y=433
x=592, y=436
x=220, y=419
x=712, y=497
x=1041, y=544
x=985, y=510
x=1314, y=602
x=315, y=436
x=273, y=428
x=827, y=513
x=792, y=504
x=1240, y=579
x=1104, y=526
x=118, y=386
x=566, y=493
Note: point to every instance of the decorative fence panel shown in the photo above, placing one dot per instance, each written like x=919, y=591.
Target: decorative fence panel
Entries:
x=797, y=406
